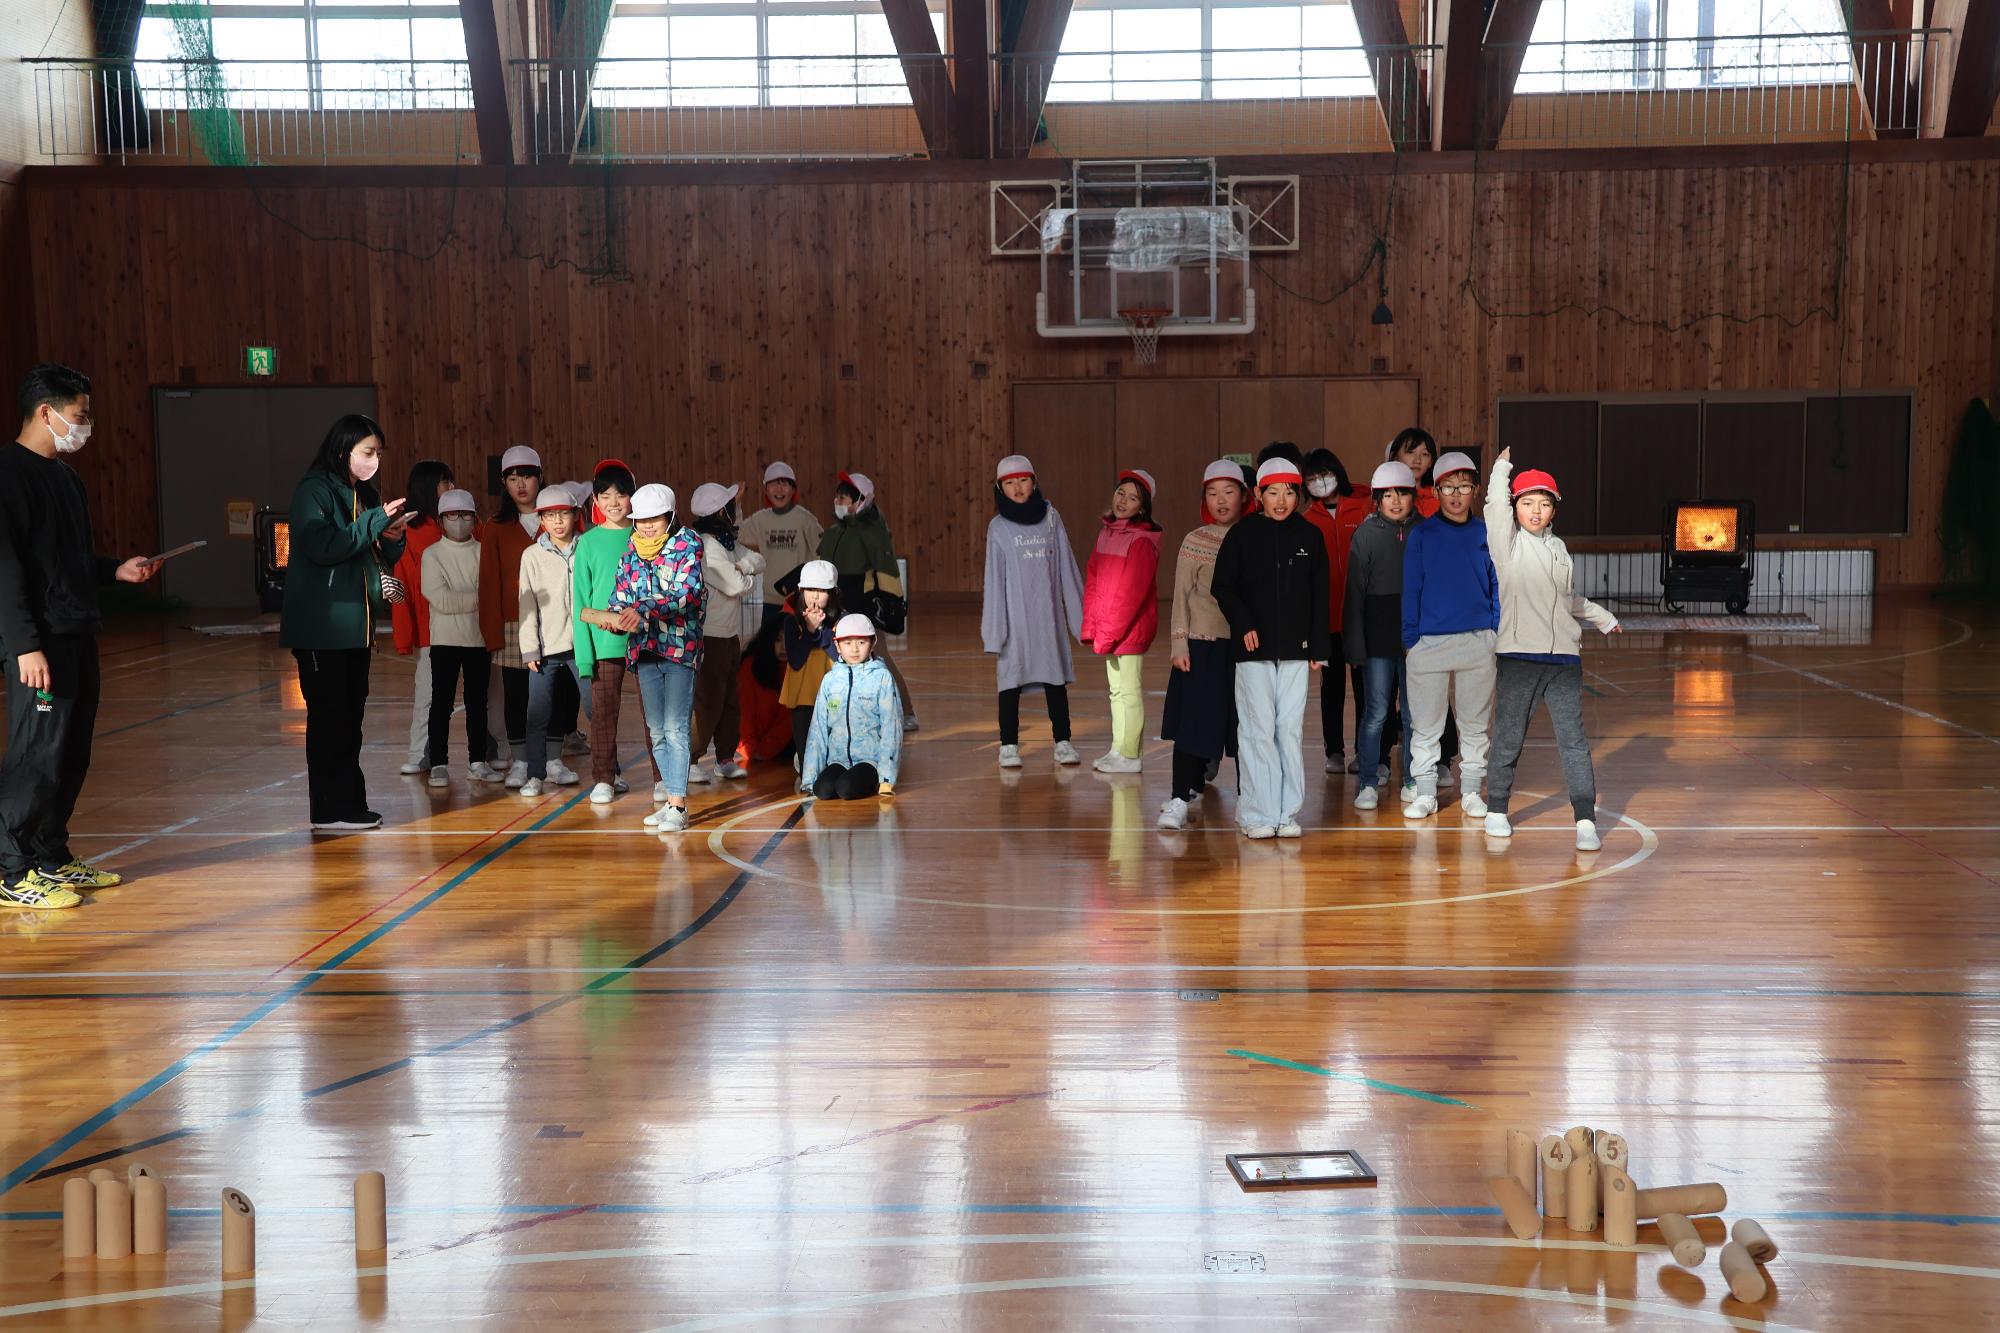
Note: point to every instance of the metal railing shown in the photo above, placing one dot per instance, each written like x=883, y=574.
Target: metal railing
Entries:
x=255, y=112
x=1795, y=86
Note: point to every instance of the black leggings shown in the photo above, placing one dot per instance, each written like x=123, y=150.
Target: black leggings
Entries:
x=446, y=664
x=1190, y=774
x=838, y=783
x=1010, y=713
x=802, y=726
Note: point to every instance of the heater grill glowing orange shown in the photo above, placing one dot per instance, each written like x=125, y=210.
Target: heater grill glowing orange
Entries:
x=1705, y=529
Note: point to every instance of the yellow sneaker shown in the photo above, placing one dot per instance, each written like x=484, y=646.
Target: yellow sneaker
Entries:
x=36, y=892
x=77, y=875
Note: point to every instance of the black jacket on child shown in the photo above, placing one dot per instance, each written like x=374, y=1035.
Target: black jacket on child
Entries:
x=1270, y=576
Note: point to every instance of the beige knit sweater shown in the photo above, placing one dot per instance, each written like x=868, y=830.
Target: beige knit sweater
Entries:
x=1195, y=612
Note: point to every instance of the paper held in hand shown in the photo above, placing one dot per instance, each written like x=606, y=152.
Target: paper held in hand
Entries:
x=165, y=556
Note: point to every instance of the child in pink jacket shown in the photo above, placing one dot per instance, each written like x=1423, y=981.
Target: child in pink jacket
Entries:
x=1121, y=611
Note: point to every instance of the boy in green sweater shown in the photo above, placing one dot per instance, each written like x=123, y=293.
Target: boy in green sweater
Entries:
x=600, y=632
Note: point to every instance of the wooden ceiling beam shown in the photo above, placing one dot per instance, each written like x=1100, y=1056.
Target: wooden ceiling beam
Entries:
x=1508, y=30
x=1399, y=85
x=1970, y=82
x=924, y=69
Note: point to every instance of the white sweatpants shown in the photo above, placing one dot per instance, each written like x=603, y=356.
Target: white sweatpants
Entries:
x=1270, y=730
x=420, y=710
x=1450, y=673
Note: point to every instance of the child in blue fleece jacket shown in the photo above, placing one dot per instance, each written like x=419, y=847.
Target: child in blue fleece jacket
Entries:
x=1451, y=617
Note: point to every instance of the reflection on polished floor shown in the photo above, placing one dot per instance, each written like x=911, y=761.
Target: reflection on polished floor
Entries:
x=944, y=1062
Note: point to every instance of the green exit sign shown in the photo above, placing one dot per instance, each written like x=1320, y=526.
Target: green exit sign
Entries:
x=260, y=360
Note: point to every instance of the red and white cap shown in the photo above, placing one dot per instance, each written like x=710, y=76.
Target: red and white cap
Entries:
x=854, y=625
x=819, y=575
x=554, y=497
x=1276, y=470
x=709, y=498
x=862, y=487
x=1222, y=469
x=1454, y=462
x=652, y=501
x=457, y=502
x=780, y=472
x=1534, y=479
x=1140, y=475
x=1393, y=477
x=1013, y=465
x=520, y=456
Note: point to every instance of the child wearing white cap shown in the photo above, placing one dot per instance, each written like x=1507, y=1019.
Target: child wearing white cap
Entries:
x=859, y=546
x=450, y=580
x=729, y=571
x=1270, y=581
x=1121, y=611
x=857, y=728
x=1200, y=714
x=1451, y=616
x=1372, y=636
x=1034, y=604
x=784, y=532
x=502, y=542
x=548, y=630
x=658, y=599
x=813, y=610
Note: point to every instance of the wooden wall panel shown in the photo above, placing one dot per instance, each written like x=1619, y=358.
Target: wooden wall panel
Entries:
x=1362, y=416
x=1174, y=430
x=1649, y=455
x=722, y=334
x=1756, y=450
x=1068, y=431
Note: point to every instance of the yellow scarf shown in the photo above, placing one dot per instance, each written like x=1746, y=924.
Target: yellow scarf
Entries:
x=649, y=548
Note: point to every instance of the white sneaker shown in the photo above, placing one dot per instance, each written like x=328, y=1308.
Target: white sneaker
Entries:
x=1472, y=804
x=1290, y=829
x=517, y=774
x=603, y=794
x=703, y=772
x=1010, y=756
x=532, y=787
x=414, y=767
x=1422, y=807
x=1367, y=799
x=1066, y=753
x=1586, y=836
x=1173, y=815
x=1409, y=792
x=561, y=775
x=1113, y=762
x=660, y=792
x=1381, y=775
x=1497, y=825
x=441, y=776
x=667, y=819
x=1259, y=832
x=1336, y=762
x=483, y=772
x=732, y=769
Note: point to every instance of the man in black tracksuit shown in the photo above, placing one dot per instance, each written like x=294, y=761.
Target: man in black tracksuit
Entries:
x=49, y=620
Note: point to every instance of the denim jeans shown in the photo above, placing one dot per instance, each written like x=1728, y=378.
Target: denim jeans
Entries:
x=1383, y=674
x=666, y=692
x=541, y=704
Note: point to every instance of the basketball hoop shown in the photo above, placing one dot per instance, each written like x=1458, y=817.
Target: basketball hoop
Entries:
x=1144, y=324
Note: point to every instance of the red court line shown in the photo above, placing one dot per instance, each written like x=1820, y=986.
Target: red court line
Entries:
x=428, y=877
x=501, y=1230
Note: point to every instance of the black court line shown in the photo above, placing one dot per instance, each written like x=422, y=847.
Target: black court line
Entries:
x=191, y=708
x=597, y=985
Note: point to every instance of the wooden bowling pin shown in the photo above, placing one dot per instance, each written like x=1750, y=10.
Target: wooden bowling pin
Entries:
x=149, y=1215
x=1556, y=1158
x=1517, y=1206
x=1582, y=1182
x=1612, y=1150
x=1752, y=1237
x=101, y=1173
x=1581, y=1141
x=1521, y=1155
x=114, y=1219
x=1745, y=1279
x=1683, y=1240
x=239, y=1234
x=371, y=1212
x=1687, y=1200
x=79, y=1218
x=1621, y=1217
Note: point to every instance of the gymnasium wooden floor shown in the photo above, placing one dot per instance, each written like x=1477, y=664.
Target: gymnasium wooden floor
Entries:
x=931, y=1065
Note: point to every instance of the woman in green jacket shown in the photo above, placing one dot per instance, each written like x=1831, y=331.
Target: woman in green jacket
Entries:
x=857, y=544
x=344, y=540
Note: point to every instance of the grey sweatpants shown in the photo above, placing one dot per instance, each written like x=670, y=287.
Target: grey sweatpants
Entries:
x=1522, y=684
x=1443, y=672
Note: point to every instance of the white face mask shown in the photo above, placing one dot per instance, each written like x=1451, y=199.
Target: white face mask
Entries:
x=841, y=509
x=456, y=526
x=1320, y=487
x=79, y=435
x=364, y=469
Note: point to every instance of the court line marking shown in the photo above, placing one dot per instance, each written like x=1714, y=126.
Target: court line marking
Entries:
x=1964, y=633
x=190, y=708
x=1467, y=829
x=1830, y=683
x=97, y=1120
x=609, y=978
x=1345, y=1077
x=1648, y=843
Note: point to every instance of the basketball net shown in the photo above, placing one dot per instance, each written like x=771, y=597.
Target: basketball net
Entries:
x=1144, y=326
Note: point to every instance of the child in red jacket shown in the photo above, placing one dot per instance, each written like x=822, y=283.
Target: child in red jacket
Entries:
x=1121, y=611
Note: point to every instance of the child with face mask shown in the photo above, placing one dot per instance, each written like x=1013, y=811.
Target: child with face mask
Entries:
x=451, y=570
x=548, y=630
x=858, y=546
x=502, y=542
x=1372, y=633
x=1034, y=604
x=857, y=728
x=1337, y=513
x=1539, y=643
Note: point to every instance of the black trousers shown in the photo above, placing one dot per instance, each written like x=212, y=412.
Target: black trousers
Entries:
x=1010, y=713
x=334, y=682
x=568, y=706
x=514, y=708
x=48, y=755
x=839, y=783
x=802, y=726
x=1333, y=699
x=446, y=664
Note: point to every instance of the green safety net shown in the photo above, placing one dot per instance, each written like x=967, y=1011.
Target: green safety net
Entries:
x=211, y=122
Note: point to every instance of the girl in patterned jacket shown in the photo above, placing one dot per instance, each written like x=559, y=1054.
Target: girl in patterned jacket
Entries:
x=660, y=601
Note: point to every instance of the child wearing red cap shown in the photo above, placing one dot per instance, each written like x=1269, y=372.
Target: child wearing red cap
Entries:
x=1121, y=611
x=1539, y=642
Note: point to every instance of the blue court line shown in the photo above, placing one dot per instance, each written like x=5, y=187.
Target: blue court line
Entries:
x=1362, y=1079
x=35, y=1167
x=1009, y=1210
x=468, y=992
x=98, y=1120
x=183, y=712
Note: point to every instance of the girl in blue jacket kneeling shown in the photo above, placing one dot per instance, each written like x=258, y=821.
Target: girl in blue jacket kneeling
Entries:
x=857, y=726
